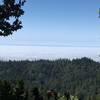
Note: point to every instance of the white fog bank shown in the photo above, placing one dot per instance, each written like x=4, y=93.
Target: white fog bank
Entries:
x=45, y=52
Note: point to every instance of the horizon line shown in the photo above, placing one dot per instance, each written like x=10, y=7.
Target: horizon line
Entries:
x=50, y=45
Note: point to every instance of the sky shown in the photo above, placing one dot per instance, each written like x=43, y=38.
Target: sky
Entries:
x=58, y=23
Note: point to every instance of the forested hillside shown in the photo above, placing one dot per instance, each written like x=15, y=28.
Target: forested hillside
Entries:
x=80, y=77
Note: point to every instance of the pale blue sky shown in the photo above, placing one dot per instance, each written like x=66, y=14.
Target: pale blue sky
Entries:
x=58, y=22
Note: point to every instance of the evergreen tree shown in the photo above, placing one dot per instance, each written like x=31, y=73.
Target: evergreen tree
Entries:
x=19, y=91
x=36, y=94
x=5, y=90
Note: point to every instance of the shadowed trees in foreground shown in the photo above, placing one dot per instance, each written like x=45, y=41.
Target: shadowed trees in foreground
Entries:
x=13, y=91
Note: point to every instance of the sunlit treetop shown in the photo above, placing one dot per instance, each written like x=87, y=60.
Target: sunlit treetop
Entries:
x=10, y=12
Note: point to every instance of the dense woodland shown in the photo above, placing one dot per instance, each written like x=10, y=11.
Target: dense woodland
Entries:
x=79, y=77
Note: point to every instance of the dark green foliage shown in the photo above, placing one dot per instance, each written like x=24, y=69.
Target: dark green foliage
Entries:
x=9, y=10
x=5, y=90
x=80, y=77
x=11, y=91
x=36, y=94
x=67, y=95
x=19, y=90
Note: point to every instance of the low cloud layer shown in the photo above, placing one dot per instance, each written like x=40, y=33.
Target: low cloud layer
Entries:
x=45, y=52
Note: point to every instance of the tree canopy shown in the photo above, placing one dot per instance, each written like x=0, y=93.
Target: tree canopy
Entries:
x=79, y=77
x=10, y=12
